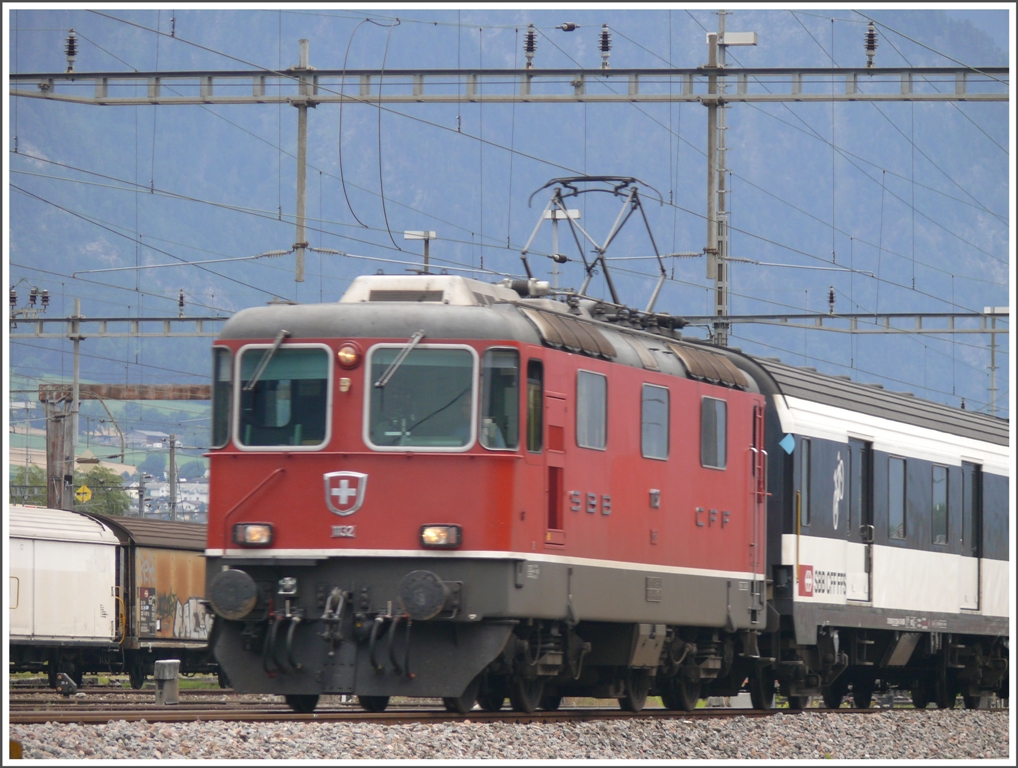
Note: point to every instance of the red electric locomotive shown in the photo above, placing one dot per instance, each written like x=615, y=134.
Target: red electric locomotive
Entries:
x=438, y=487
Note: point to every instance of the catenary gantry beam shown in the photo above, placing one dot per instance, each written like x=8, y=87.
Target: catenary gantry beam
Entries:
x=446, y=86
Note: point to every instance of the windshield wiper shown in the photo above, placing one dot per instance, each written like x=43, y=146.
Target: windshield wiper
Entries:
x=439, y=410
x=399, y=359
x=265, y=360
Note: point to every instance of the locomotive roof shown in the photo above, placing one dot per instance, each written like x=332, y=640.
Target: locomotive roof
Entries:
x=448, y=306
x=58, y=525
x=873, y=399
x=161, y=534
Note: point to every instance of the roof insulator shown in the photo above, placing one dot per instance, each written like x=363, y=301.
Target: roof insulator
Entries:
x=71, y=50
x=530, y=45
x=871, y=44
x=567, y=27
x=605, y=45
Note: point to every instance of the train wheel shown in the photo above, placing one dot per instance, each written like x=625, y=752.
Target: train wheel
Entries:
x=491, y=702
x=464, y=702
x=944, y=694
x=493, y=692
x=136, y=674
x=222, y=679
x=637, y=687
x=834, y=694
x=920, y=696
x=76, y=674
x=680, y=694
x=302, y=703
x=798, y=702
x=373, y=703
x=862, y=694
x=972, y=702
x=551, y=703
x=525, y=694
x=761, y=689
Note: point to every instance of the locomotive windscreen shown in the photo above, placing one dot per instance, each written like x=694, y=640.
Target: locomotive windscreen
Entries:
x=288, y=403
x=426, y=403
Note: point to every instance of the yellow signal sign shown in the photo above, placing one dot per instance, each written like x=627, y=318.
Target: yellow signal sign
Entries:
x=83, y=494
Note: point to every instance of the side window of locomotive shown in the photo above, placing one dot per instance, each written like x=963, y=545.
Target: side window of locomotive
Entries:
x=896, y=498
x=427, y=401
x=500, y=399
x=654, y=422
x=591, y=410
x=289, y=400
x=713, y=433
x=222, y=384
x=940, y=496
x=805, y=478
x=535, y=405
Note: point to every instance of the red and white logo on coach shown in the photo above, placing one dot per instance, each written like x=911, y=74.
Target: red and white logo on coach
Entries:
x=805, y=581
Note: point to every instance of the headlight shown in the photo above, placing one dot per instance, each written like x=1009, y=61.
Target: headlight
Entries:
x=252, y=534
x=441, y=536
x=349, y=355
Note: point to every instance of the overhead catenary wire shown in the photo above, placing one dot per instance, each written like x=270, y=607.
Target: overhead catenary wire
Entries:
x=779, y=243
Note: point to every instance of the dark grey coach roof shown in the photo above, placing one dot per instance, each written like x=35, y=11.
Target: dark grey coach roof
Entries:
x=874, y=400
x=162, y=534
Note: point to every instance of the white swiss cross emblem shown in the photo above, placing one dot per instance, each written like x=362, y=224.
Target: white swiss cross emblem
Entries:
x=344, y=491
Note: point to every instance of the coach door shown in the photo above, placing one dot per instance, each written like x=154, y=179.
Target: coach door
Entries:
x=971, y=533
x=859, y=525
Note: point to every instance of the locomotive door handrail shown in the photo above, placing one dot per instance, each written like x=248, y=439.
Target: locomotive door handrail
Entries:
x=239, y=504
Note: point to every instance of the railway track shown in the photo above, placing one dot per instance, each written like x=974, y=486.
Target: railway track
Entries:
x=33, y=707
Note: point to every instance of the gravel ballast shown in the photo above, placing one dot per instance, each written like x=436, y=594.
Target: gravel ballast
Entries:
x=891, y=735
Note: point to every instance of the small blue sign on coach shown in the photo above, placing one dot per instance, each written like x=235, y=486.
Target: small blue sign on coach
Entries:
x=788, y=443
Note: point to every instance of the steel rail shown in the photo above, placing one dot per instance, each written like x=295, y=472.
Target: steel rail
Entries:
x=170, y=714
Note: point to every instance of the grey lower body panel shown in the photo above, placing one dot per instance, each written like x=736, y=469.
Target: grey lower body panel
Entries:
x=807, y=618
x=442, y=655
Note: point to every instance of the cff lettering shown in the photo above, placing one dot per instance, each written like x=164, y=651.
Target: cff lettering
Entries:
x=816, y=582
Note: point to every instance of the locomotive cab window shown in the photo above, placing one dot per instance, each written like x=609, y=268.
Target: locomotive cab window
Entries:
x=222, y=384
x=426, y=401
x=713, y=433
x=284, y=397
x=654, y=422
x=591, y=410
x=500, y=402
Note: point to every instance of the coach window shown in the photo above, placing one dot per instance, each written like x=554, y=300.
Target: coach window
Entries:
x=284, y=397
x=426, y=401
x=500, y=403
x=222, y=383
x=654, y=422
x=896, y=498
x=805, y=479
x=939, y=527
x=591, y=410
x=713, y=433
x=535, y=405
